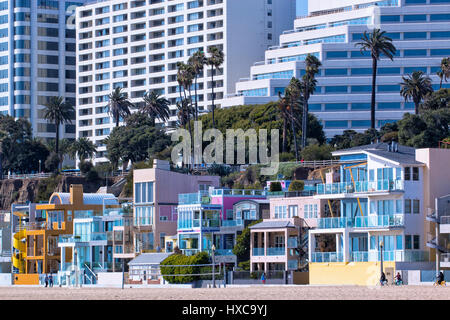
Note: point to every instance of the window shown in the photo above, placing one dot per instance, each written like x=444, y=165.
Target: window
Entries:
x=407, y=173
x=399, y=242
x=416, y=242
x=407, y=206
x=408, y=242
x=293, y=211
x=416, y=206
x=415, y=173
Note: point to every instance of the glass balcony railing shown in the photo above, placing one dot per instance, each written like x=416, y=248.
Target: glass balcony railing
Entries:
x=396, y=220
x=232, y=223
x=396, y=255
x=238, y=192
x=330, y=223
x=327, y=257
x=201, y=197
x=224, y=252
x=371, y=221
x=95, y=236
x=280, y=251
x=360, y=187
x=258, y=252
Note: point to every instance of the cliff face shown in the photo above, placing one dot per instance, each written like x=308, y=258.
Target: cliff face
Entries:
x=34, y=190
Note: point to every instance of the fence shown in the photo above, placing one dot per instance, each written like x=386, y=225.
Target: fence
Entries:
x=44, y=175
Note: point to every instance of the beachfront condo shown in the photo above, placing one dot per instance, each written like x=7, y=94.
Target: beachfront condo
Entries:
x=380, y=196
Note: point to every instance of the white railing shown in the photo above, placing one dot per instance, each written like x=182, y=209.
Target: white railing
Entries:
x=445, y=220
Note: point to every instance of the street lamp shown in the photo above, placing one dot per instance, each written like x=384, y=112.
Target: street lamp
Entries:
x=213, y=249
x=75, y=264
x=381, y=266
x=39, y=166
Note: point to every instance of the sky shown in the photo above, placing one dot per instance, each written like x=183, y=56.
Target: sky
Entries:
x=302, y=7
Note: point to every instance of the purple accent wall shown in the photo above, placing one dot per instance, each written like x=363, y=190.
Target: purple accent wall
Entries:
x=227, y=202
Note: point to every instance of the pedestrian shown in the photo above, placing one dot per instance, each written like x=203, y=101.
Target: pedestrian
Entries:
x=263, y=278
x=46, y=280
x=50, y=279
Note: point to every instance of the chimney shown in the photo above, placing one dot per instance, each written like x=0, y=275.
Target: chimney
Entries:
x=76, y=193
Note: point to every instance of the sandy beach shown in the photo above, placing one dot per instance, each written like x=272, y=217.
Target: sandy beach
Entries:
x=230, y=293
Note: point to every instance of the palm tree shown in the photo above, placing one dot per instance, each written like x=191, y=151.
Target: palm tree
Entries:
x=119, y=105
x=293, y=93
x=376, y=43
x=156, y=107
x=416, y=87
x=283, y=109
x=59, y=112
x=215, y=60
x=309, y=85
x=197, y=61
x=84, y=148
x=444, y=73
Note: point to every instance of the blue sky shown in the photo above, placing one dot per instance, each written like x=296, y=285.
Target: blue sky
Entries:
x=302, y=6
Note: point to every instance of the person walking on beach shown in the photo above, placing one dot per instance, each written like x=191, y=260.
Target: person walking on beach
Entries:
x=50, y=279
x=263, y=278
x=46, y=280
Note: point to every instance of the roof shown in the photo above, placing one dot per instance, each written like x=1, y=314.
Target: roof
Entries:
x=88, y=198
x=272, y=224
x=149, y=258
x=404, y=155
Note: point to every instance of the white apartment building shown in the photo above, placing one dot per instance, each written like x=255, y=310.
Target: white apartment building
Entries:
x=37, y=60
x=136, y=45
x=420, y=30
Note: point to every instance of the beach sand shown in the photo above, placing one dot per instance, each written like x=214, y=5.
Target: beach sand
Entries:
x=267, y=292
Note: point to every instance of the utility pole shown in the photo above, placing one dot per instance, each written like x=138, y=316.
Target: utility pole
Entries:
x=213, y=248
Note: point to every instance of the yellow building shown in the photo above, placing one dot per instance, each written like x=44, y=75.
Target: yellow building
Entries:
x=37, y=234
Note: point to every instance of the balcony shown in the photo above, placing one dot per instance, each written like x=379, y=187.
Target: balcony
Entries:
x=232, y=223
x=223, y=252
x=327, y=257
x=258, y=252
x=95, y=236
x=398, y=256
x=238, y=192
x=331, y=223
x=371, y=221
x=279, y=251
x=201, y=197
x=360, y=187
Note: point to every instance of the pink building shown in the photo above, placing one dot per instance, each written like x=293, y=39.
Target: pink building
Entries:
x=155, y=197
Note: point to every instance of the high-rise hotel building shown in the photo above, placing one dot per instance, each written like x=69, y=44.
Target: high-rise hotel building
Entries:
x=420, y=30
x=136, y=45
x=37, y=60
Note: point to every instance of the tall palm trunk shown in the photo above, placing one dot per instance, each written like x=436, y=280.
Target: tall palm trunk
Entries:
x=416, y=105
x=284, y=134
x=372, y=102
x=305, y=119
x=196, y=98
x=57, y=143
x=212, y=89
x=294, y=135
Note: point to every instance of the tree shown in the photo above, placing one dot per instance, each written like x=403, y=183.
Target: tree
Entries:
x=275, y=186
x=84, y=148
x=424, y=130
x=444, y=73
x=293, y=95
x=437, y=100
x=138, y=141
x=242, y=247
x=58, y=112
x=416, y=87
x=351, y=138
x=309, y=85
x=376, y=43
x=197, y=61
x=297, y=186
x=317, y=152
x=156, y=107
x=283, y=109
x=215, y=60
x=119, y=105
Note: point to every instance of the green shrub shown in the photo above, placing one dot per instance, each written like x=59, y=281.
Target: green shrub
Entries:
x=86, y=166
x=244, y=265
x=297, y=185
x=275, y=186
x=186, y=271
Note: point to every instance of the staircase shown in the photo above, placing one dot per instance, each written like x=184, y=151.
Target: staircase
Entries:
x=90, y=275
x=302, y=249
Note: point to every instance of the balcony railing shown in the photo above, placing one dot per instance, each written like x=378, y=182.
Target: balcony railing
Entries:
x=280, y=251
x=258, y=252
x=397, y=220
x=95, y=236
x=201, y=197
x=445, y=220
x=238, y=192
x=232, y=223
x=397, y=255
x=371, y=221
x=330, y=223
x=224, y=252
x=445, y=257
x=327, y=257
x=360, y=187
